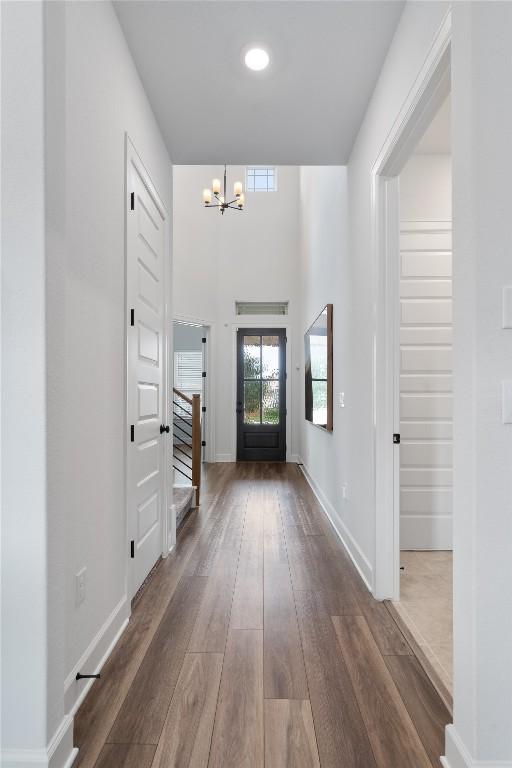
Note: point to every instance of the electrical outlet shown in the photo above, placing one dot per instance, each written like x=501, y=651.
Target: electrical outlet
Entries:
x=341, y=399
x=80, y=583
x=344, y=491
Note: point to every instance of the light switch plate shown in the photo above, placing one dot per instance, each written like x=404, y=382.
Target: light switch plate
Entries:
x=507, y=306
x=506, y=395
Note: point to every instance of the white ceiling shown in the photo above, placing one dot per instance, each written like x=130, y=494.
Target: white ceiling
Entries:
x=437, y=139
x=305, y=109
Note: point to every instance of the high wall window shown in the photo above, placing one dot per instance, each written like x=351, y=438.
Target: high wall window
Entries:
x=261, y=307
x=261, y=179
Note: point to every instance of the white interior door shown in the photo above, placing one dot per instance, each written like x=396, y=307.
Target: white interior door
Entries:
x=146, y=448
x=426, y=385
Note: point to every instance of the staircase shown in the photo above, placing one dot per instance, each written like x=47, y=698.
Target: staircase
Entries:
x=183, y=500
x=186, y=456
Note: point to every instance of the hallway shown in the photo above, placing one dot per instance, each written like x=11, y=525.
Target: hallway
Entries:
x=256, y=643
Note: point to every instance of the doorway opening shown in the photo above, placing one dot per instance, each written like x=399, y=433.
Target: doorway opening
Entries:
x=396, y=251
x=189, y=413
x=425, y=400
x=261, y=394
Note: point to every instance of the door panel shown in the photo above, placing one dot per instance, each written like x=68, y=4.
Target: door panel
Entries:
x=425, y=385
x=261, y=394
x=145, y=250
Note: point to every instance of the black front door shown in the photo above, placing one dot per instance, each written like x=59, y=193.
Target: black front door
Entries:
x=261, y=394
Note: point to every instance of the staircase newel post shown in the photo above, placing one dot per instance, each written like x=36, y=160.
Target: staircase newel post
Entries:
x=196, y=444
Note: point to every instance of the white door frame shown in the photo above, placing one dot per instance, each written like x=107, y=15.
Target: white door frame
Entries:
x=132, y=156
x=209, y=399
x=263, y=321
x=423, y=101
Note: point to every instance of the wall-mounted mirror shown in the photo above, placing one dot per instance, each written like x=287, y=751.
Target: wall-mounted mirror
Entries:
x=318, y=370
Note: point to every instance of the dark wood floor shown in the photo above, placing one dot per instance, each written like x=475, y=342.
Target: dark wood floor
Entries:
x=256, y=644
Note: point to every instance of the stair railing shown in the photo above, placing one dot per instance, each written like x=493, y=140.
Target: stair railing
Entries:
x=186, y=453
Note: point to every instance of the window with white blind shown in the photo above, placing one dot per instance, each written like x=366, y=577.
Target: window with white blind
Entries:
x=188, y=369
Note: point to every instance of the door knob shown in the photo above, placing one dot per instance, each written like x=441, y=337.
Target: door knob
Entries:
x=164, y=428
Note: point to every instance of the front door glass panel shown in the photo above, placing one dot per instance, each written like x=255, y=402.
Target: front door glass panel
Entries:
x=261, y=379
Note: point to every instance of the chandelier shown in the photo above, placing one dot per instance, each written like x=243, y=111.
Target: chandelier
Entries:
x=237, y=204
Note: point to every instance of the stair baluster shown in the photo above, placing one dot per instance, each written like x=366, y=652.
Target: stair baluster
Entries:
x=187, y=437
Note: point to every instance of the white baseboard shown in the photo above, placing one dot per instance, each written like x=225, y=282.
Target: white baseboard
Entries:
x=224, y=458
x=426, y=532
x=457, y=756
x=362, y=564
x=294, y=458
x=60, y=752
x=95, y=655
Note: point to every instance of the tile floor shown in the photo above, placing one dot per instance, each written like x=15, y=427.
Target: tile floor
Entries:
x=426, y=606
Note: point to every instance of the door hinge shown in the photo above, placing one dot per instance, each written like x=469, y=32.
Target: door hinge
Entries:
x=203, y=409
x=203, y=340
x=203, y=374
x=132, y=548
x=132, y=201
x=132, y=317
x=396, y=438
x=132, y=433
x=203, y=443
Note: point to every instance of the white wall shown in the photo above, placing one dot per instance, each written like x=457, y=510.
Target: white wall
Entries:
x=482, y=248
x=325, y=278
x=104, y=99
x=24, y=556
x=252, y=256
x=426, y=425
x=65, y=263
x=426, y=188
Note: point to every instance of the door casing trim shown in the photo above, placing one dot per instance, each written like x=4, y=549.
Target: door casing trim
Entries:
x=429, y=90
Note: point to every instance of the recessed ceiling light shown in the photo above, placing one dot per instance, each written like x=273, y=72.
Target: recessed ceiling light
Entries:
x=257, y=59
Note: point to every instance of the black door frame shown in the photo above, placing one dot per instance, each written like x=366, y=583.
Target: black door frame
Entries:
x=261, y=454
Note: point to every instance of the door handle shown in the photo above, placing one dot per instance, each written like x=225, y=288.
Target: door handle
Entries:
x=164, y=428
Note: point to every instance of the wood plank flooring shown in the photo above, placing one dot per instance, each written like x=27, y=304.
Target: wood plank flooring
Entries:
x=256, y=645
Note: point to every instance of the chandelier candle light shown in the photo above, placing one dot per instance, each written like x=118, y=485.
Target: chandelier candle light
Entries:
x=237, y=204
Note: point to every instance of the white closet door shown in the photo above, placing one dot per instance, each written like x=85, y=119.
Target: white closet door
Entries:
x=146, y=476
x=426, y=385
